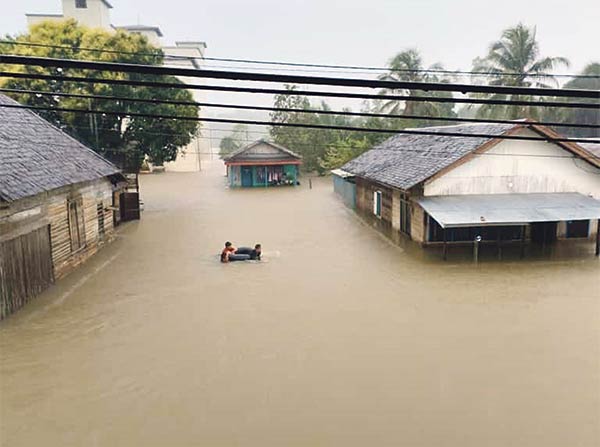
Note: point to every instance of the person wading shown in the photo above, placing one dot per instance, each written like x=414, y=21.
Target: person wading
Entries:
x=228, y=250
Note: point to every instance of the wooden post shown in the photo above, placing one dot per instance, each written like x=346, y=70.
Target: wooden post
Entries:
x=598, y=239
x=476, y=242
x=445, y=256
x=266, y=177
x=499, y=245
x=523, y=232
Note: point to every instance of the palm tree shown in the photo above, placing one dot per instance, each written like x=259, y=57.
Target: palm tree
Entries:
x=407, y=66
x=589, y=81
x=514, y=60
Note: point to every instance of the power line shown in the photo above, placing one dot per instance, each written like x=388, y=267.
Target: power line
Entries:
x=290, y=110
x=324, y=94
x=105, y=152
x=294, y=79
x=303, y=125
x=298, y=64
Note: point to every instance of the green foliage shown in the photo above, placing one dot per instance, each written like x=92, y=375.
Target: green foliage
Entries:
x=579, y=115
x=234, y=141
x=316, y=145
x=516, y=52
x=407, y=66
x=125, y=140
x=342, y=151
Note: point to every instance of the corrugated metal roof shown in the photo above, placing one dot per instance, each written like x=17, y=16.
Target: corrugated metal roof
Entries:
x=35, y=156
x=509, y=209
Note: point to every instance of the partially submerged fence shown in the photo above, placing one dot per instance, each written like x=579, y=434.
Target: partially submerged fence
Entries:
x=25, y=269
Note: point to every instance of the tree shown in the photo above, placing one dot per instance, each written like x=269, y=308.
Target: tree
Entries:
x=234, y=141
x=407, y=66
x=127, y=140
x=579, y=115
x=310, y=143
x=342, y=151
x=514, y=60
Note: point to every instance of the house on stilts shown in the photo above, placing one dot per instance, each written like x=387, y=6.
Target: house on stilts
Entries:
x=261, y=164
x=440, y=190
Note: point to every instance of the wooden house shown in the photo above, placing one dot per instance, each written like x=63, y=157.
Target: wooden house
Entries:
x=443, y=190
x=59, y=202
x=263, y=163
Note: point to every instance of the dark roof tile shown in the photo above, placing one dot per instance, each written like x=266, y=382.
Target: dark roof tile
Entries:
x=35, y=156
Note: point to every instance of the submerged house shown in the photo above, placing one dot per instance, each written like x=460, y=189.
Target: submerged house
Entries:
x=263, y=163
x=59, y=202
x=443, y=190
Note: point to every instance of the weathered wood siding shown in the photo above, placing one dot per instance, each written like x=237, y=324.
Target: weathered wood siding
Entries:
x=25, y=269
x=418, y=225
x=64, y=256
x=364, y=199
x=36, y=242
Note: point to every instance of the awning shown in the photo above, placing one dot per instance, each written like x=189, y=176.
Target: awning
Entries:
x=341, y=173
x=509, y=209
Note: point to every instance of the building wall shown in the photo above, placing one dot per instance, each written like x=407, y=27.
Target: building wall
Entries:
x=509, y=167
x=93, y=194
x=96, y=15
x=418, y=225
x=38, y=231
x=364, y=199
x=345, y=190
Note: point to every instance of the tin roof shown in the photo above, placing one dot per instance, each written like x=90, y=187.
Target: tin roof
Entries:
x=35, y=156
x=509, y=209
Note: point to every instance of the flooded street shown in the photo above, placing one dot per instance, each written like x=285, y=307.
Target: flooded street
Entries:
x=338, y=339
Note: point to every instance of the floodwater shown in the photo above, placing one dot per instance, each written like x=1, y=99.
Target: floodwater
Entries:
x=338, y=339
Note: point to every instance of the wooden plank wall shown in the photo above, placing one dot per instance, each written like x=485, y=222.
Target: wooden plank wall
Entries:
x=63, y=258
x=364, y=199
x=25, y=269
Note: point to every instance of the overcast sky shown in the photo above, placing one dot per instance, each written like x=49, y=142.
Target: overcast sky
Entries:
x=356, y=32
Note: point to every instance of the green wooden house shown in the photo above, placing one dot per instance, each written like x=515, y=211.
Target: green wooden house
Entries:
x=263, y=164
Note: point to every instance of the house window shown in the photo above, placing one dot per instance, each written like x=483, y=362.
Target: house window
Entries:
x=81, y=4
x=100, y=211
x=578, y=228
x=404, y=214
x=76, y=223
x=377, y=203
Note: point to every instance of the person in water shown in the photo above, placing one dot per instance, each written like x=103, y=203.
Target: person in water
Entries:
x=228, y=250
x=255, y=254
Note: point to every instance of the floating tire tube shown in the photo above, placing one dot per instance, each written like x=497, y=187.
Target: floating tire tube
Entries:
x=239, y=257
x=243, y=251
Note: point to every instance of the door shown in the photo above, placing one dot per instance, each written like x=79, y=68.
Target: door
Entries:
x=246, y=176
x=130, y=206
x=543, y=232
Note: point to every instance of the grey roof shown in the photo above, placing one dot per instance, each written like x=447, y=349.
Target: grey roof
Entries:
x=35, y=156
x=405, y=160
x=246, y=154
x=509, y=209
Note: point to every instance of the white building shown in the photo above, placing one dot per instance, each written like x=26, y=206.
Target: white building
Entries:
x=442, y=189
x=96, y=14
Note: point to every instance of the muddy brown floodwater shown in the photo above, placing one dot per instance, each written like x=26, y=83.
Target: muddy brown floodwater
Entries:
x=338, y=339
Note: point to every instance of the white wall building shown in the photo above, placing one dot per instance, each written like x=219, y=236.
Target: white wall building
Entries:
x=96, y=14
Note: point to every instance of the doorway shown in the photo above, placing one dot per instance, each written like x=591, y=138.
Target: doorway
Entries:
x=246, y=176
